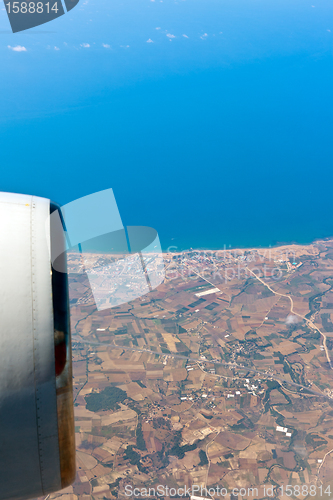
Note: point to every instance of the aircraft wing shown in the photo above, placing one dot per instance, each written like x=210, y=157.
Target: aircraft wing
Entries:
x=37, y=452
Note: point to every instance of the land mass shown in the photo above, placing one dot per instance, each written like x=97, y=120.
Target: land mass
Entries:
x=222, y=375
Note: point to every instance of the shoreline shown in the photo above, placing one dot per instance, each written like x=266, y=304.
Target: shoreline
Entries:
x=272, y=249
x=248, y=248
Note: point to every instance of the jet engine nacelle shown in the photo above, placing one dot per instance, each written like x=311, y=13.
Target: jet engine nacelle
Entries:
x=37, y=451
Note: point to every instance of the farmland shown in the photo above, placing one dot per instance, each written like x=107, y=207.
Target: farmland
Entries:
x=220, y=376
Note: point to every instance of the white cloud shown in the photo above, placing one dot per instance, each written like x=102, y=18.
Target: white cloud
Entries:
x=106, y=45
x=124, y=46
x=185, y=36
x=85, y=45
x=150, y=40
x=291, y=319
x=56, y=48
x=158, y=28
x=170, y=36
x=17, y=48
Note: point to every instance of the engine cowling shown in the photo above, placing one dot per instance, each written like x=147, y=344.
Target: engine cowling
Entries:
x=37, y=449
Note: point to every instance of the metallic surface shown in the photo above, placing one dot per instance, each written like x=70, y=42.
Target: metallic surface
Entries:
x=64, y=386
x=29, y=438
x=66, y=435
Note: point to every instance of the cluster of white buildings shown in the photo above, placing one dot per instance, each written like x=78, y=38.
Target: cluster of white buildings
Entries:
x=250, y=387
x=237, y=393
x=189, y=368
x=283, y=429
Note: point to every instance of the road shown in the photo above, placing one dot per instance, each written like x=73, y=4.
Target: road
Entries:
x=207, y=455
x=308, y=321
x=196, y=360
x=322, y=463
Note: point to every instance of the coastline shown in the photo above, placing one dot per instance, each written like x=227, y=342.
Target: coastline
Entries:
x=294, y=248
x=229, y=248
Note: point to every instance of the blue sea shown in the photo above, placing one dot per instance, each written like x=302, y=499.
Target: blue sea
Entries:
x=211, y=120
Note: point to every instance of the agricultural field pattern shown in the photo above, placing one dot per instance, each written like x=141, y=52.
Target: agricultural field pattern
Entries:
x=222, y=375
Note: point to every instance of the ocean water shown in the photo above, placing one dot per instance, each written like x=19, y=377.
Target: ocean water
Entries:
x=222, y=137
